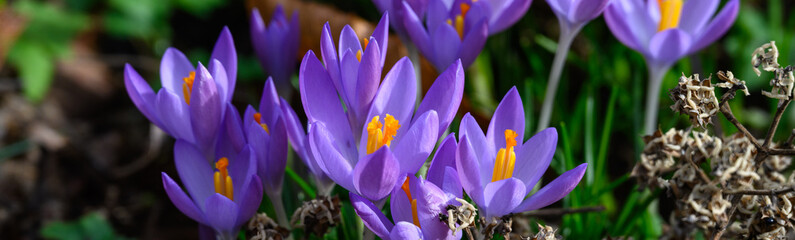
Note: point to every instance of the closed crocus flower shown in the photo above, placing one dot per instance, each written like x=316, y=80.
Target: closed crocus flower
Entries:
x=457, y=29
x=221, y=196
x=664, y=32
x=264, y=130
x=416, y=205
x=450, y=32
x=394, y=141
x=276, y=45
x=497, y=171
x=572, y=16
x=395, y=8
x=191, y=104
x=355, y=66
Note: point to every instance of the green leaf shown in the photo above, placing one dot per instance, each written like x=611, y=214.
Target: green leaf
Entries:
x=36, y=68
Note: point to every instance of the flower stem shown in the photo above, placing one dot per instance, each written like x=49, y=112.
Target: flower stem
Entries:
x=656, y=75
x=278, y=206
x=564, y=43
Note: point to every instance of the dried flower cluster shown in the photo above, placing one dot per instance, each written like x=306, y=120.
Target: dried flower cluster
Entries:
x=783, y=79
x=695, y=98
x=545, y=233
x=318, y=215
x=732, y=186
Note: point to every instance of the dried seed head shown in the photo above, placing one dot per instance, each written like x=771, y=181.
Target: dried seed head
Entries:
x=729, y=81
x=261, y=227
x=696, y=98
x=658, y=157
x=767, y=60
x=546, y=233
x=318, y=215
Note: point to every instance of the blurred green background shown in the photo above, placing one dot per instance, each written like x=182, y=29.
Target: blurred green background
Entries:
x=49, y=48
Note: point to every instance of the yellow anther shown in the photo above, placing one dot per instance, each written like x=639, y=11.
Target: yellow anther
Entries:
x=459, y=26
x=222, y=180
x=359, y=55
x=670, y=12
x=413, y=201
x=187, y=86
x=464, y=9
x=258, y=118
x=506, y=158
x=378, y=137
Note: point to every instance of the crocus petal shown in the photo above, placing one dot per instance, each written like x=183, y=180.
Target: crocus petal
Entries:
x=330, y=59
x=221, y=213
x=328, y=157
x=532, y=160
x=321, y=102
x=414, y=147
x=259, y=37
x=405, y=230
x=219, y=75
x=233, y=128
x=381, y=35
x=469, y=170
x=349, y=40
x=416, y=30
x=442, y=171
x=445, y=95
x=718, y=26
x=174, y=115
x=173, y=67
x=242, y=168
x=368, y=78
x=508, y=115
x=141, y=94
x=205, y=108
x=399, y=203
x=277, y=157
x=397, y=94
x=376, y=174
x=349, y=69
x=554, y=191
x=560, y=8
x=631, y=24
x=508, y=14
x=473, y=43
x=194, y=171
x=260, y=141
x=249, y=203
x=371, y=216
x=445, y=44
x=224, y=51
x=483, y=151
x=587, y=10
x=269, y=103
x=295, y=130
x=469, y=127
x=503, y=196
x=180, y=199
x=696, y=14
x=669, y=46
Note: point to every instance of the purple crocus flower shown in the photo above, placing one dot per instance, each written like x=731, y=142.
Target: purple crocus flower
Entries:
x=664, y=32
x=191, y=104
x=417, y=203
x=371, y=168
x=459, y=28
x=264, y=130
x=355, y=69
x=497, y=171
x=276, y=45
x=222, y=196
x=572, y=16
